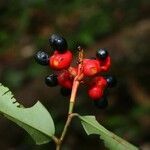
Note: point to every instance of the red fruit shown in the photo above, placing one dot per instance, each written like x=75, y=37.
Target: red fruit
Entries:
x=100, y=81
x=59, y=61
x=91, y=67
x=65, y=79
x=97, y=86
x=95, y=92
x=105, y=64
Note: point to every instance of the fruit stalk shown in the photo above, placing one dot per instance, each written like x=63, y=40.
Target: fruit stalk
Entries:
x=77, y=80
x=75, y=86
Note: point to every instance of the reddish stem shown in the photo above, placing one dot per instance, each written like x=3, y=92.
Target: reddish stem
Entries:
x=75, y=86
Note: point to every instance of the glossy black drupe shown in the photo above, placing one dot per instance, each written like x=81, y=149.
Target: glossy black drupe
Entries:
x=42, y=58
x=102, y=54
x=111, y=81
x=57, y=42
x=51, y=80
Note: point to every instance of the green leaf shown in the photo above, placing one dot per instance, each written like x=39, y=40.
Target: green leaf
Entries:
x=35, y=120
x=112, y=141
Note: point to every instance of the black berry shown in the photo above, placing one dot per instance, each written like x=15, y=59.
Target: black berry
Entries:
x=57, y=42
x=42, y=58
x=51, y=80
x=65, y=92
x=102, y=103
x=111, y=81
x=102, y=54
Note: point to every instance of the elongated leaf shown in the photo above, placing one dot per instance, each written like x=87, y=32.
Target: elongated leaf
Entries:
x=112, y=141
x=35, y=120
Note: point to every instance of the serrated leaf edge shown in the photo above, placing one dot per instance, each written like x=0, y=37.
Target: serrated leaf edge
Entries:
x=106, y=131
x=18, y=104
x=5, y=114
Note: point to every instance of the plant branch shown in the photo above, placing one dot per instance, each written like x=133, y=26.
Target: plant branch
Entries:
x=69, y=119
x=59, y=141
x=75, y=86
x=55, y=139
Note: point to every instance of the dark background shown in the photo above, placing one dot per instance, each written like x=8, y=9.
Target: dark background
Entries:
x=121, y=26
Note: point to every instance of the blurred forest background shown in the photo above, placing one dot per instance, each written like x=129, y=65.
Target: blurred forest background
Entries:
x=121, y=26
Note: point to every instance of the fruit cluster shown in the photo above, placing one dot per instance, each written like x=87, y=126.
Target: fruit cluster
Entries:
x=60, y=62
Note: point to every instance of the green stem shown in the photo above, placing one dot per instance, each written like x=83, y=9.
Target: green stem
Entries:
x=58, y=147
x=71, y=106
x=60, y=140
x=67, y=125
x=55, y=139
x=73, y=95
